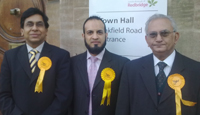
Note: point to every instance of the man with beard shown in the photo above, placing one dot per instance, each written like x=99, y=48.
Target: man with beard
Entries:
x=96, y=72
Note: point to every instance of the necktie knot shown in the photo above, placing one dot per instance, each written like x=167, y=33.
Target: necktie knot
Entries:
x=162, y=65
x=33, y=52
x=93, y=59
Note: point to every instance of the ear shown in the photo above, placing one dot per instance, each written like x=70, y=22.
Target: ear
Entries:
x=22, y=32
x=106, y=35
x=83, y=35
x=176, y=36
x=46, y=31
x=146, y=40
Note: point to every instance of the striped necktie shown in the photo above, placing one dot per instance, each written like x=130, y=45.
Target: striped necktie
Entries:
x=32, y=60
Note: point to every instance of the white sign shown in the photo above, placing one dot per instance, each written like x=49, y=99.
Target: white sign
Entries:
x=125, y=23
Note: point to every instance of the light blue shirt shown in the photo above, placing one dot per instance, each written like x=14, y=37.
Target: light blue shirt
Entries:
x=39, y=49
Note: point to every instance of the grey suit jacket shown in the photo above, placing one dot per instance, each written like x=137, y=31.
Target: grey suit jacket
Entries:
x=138, y=95
x=81, y=85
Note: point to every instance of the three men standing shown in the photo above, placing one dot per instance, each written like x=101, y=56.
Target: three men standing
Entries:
x=162, y=83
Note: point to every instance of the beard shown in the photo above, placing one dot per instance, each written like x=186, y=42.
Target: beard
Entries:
x=95, y=50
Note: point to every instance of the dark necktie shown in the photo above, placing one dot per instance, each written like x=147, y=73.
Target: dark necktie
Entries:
x=161, y=77
x=32, y=60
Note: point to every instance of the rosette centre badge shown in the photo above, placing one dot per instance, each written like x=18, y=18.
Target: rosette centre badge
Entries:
x=108, y=75
x=44, y=63
x=176, y=81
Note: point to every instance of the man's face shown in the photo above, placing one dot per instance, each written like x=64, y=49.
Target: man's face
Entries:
x=162, y=43
x=34, y=30
x=94, y=36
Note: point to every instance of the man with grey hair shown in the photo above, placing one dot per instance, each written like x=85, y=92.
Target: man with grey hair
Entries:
x=164, y=82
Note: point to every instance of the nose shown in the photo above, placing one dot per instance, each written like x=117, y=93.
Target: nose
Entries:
x=159, y=38
x=34, y=27
x=95, y=36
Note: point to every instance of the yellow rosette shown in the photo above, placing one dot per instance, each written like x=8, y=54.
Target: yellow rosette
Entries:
x=176, y=82
x=107, y=75
x=44, y=64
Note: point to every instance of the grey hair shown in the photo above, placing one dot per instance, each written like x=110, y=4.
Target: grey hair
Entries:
x=158, y=16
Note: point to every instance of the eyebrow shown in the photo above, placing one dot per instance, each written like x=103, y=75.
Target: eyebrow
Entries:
x=89, y=30
x=95, y=30
x=34, y=22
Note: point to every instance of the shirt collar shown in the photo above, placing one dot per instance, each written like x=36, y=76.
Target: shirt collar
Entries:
x=39, y=48
x=169, y=60
x=99, y=56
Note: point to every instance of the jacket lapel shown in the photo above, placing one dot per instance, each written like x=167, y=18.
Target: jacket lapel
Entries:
x=46, y=51
x=104, y=63
x=148, y=76
x=177, y=67
x=24, y=60
x=83, y=69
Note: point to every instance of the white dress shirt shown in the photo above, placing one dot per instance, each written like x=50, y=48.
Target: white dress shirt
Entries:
x=169, y=61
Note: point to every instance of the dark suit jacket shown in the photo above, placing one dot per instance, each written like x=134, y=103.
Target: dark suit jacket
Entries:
x=81, y=84
x=138, y=95
x=17, y=84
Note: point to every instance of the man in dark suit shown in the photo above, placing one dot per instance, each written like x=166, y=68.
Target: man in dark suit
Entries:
x=89, y=88
x=45, y=88
x=147, y=89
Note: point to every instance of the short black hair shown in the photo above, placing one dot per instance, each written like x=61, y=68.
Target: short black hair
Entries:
x=32, y=11
x=94, y=18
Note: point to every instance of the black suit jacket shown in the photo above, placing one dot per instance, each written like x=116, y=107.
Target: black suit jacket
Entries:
x=17, y=84
x=138, y=95
x=81, y=84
